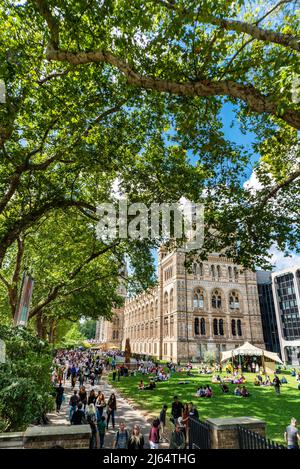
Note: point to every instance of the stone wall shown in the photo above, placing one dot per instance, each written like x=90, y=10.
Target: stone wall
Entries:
x=224, y=432
x=66, y=436
x=11, y=440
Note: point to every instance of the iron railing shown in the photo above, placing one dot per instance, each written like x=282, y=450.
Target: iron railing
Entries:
x=252, y=440
x=199, y=434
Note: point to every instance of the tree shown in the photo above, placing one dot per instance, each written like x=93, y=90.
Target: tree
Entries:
x=194, y=57
x=127, y=351
x=88, y=329
x=25, y=380
x=110, y=99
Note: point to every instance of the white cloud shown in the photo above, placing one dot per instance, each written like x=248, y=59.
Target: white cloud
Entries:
x=281, y=262
x=253, y=183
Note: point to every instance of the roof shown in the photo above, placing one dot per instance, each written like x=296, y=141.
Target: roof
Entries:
x=250, y=350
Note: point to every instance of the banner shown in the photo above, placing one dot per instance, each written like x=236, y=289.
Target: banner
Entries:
x=22, y=313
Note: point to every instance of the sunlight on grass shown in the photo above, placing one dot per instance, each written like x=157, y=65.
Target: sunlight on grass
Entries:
x=263, y=403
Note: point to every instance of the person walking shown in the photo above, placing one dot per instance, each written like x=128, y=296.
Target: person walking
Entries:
x=277, y=384
x=92, y=421
x=177, y=438
x=100, y=405
x=59, y=397
x=136, y=439
x=162, y=421
x=291, y=435
x=83, y=397
x=176, y=411
x=73, y=404
x=92, y=397
x=121, y=437
x=101, y=430
x=111, y=409
x=154, y=434
x=78, y=417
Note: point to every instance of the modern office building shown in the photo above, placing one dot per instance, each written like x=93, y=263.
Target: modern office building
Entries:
x=267, y=309
x=286, y=292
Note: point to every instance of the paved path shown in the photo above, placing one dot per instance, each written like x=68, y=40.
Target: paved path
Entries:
x=124, y=412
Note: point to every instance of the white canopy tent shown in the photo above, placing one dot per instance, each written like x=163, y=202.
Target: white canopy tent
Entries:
x=250, y=350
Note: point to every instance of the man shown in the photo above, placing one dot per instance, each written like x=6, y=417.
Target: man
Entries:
x=73, y=404
x=121, y=438
x=177, y=438
x=291, y=435
x=277, y=384
x=176, y=411
x=78, y=417
x=193, y=412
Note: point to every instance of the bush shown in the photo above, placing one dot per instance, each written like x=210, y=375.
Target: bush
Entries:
x=25, y=379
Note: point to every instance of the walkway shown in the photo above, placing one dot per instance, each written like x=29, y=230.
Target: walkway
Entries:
x=124, y=412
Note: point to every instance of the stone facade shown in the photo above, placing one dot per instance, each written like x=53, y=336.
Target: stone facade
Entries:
x=110, y=333
x=211, y=308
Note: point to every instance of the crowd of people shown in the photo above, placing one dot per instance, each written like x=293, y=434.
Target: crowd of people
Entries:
x=82, y=372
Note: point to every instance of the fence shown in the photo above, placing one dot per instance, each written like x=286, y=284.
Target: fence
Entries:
x=252, y=440
x=199, y=434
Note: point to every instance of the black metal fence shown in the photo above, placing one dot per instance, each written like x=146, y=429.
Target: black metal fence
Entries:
x=199, y=434
x=252, y=440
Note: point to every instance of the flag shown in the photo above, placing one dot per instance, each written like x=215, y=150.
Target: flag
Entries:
x=21, y=316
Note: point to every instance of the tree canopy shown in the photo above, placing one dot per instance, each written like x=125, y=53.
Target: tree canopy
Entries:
x=135, y=91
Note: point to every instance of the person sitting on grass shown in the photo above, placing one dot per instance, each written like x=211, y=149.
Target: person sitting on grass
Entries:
x=150, y=386
x=237, y=391
x=245, y=392
x=256, y=382
x=283, y=380
x=200, y=392
x=141, y=386
x=208, y=391
x=224, y=388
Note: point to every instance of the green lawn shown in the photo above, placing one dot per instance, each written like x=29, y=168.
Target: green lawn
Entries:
x=263, y=402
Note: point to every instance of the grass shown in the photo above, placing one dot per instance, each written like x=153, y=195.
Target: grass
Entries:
x=263, y=403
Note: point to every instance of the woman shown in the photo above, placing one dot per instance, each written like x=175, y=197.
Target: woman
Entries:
x=100, y=404
x=92, y=420
x=141, y=386
x=136, y=439
x=59, y=397
x=185, y=420
x=111, y=409
x=83, y=396
x=92, y=397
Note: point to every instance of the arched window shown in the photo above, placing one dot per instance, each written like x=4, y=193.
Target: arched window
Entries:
x=233, y=327
x=194, y=268
x=216, y=300
x=201, y=269
x=198, y=298
x=166, y=302
x=218, y=271
x=202, y=322
x=215, y=327
x=230, y=273
x=239, y=327
x=213, y=271
x=195, y=300
x=166, y=326
x=196, y=326
x=234, y=302
x=221, y=327
x=236, y=274
x=171, y=300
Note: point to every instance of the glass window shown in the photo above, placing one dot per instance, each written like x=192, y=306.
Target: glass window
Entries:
x=203, y=326
x=215, y=327
x=196, y=326
x=233, y=327
x=221, y=327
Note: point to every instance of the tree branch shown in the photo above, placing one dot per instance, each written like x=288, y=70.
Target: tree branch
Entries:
x=295, y=175
x=265, y=35
x=256, y=101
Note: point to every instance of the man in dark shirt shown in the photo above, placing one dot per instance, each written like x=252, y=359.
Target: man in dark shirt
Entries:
x=78, y=418
x=177, y=408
